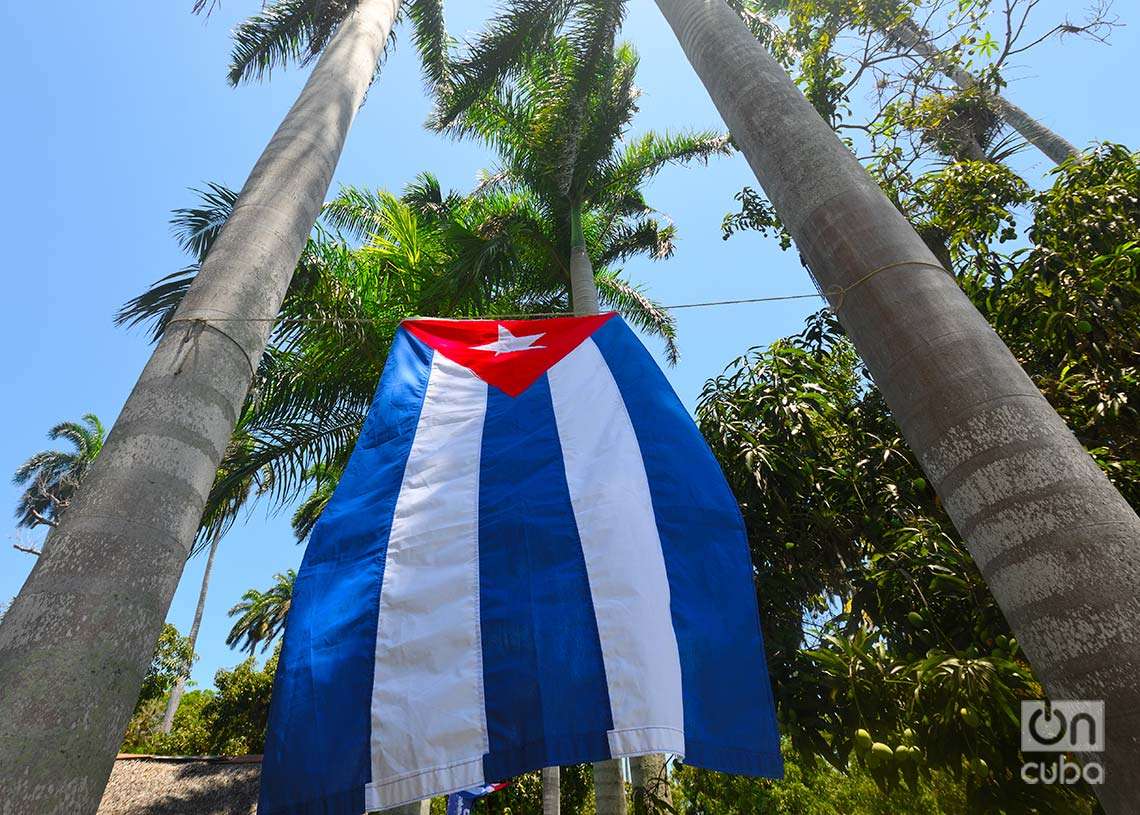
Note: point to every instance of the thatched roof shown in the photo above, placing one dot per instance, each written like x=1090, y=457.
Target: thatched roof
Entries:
x=195, y=785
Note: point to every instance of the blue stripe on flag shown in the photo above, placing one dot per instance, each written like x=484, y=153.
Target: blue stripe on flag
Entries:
x=730, y=722
x=330, y=638
x=544, y=681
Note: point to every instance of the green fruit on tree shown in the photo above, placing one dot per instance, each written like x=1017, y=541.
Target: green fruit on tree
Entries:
x=908, y=734
x=881, y=753
x=862, y=740
x=1084, y=326
x=915, y=618
x=981, y=769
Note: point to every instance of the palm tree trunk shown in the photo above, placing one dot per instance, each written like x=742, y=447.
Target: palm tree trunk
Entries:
x=1057, y=544
x=609, y=788
x=650, y=783
x=551, y=791
x=77, y=640
x=180, y=685
x=583, y=291
x=912, y=36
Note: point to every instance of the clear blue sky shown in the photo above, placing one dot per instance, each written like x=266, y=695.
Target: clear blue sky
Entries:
x=115, y=110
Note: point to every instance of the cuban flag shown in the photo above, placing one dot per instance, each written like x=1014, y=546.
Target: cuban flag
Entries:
x=531, y=559
x=459, y=803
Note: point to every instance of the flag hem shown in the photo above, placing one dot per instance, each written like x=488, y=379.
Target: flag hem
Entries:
x=416, y=786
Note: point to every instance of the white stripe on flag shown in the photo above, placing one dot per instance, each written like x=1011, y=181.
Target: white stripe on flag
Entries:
x=610, y=495
x=429, y=728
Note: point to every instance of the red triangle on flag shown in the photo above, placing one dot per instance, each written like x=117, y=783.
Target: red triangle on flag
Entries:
x=509, y=354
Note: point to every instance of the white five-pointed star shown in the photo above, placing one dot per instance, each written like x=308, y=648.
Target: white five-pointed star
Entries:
x=508, y=343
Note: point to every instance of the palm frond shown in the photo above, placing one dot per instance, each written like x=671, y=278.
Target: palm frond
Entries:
x=643, y=237
x=196, y=228
x=638, y=308
x=284, y=31
x=648, y=154
x=591, y=34
x=432, y=42
x=261, y=615
x=157, y=304
x=308, y=512
x=358, y=212
x=498, y=52
x=51, y=477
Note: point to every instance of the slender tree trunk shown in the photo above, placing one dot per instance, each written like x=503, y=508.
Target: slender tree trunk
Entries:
x=551, y=791
x=1057, y=544
x=77, y=640
x=912, y=36
x=583, y=291
x=180, y=686
x=609, y=788
x=650, y=783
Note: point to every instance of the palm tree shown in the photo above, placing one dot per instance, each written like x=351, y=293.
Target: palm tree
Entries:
x=558, y=121
x=261, y=614
x=128, y=535
x=51, y=477
x=1058, y=545
x=558, y=124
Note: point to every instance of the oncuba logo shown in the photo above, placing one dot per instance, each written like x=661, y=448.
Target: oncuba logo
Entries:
x=1062, y=726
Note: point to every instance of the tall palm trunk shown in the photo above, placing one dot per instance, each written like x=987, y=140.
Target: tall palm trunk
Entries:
x=551, y=791
x=180, y=686
x=77, y=640
x=583, y=291
x=609, y=788
x=650, y=783
x=1057, y=544
x=912, y=36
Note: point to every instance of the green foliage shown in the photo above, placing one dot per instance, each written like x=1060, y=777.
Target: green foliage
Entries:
x=228, y=721
x=173, y=656
x=755, y=214
x=51, y=477
x=1069, y=306
x=886, y=650
x=238, y=713
x=807, y=790
x=961, y=125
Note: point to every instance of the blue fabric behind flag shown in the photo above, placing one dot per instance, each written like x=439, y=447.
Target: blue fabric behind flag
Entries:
x=332, y=619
